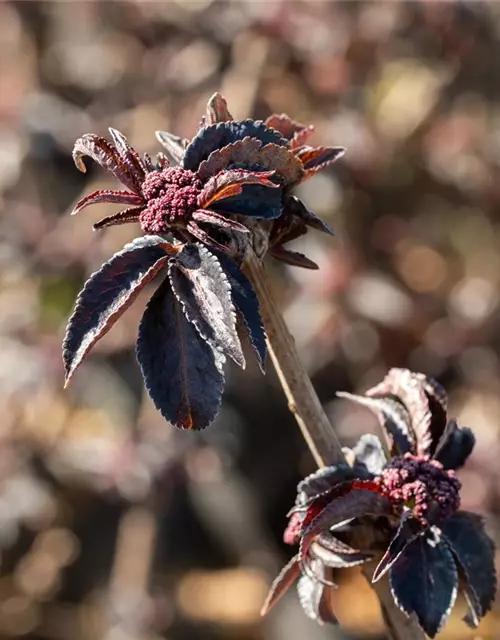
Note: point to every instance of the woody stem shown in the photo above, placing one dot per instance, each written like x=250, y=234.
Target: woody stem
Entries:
x=313, y=422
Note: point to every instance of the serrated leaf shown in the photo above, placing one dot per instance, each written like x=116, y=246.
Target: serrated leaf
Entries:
x=409, y=529
x=313, y=594
x=393, y=417
x=316, y=158
x=295, y=132
x=174, y=146
x=204, y=292
x=424, y=581
x=361, y=500
x=475, y=554
x=335, y=554
x=247, y=304
x=122, y=217
x=281, y=584
x=230, y=183
x=129, y=156
x=109, y=292
x=239, y=153
x=218, y=220
x=106, y=155
x=455, y=446
x=423, y=399
x=111, y=196
x=323, y=480
x=182, y=372
x=217, y=136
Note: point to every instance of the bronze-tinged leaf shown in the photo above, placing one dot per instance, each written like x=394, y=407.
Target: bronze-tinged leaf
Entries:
x=424, y=582
x=281, y=584
x=106, y=155
x=174, y=146
x=229, y=183
x=203, y=289
x=182, y=372
x=218, y=220
x=293, y=258
x=217, y=136
x=217, y=110
x=393, y=417
x=110, y=196
x=410, y=389
x=235, y=153
x=316, y=158
x=361, y=500
x=250, y=151
x=109, y=292
x=295, y=132
x=122, y=217
x=129, y=156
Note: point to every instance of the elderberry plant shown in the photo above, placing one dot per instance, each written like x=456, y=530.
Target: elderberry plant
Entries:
x=404, y=506
x=199, y=204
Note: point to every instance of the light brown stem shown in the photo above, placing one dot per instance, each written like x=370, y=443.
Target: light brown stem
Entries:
x=313, y=422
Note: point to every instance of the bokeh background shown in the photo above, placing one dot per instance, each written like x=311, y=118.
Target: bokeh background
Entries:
x=112, y=524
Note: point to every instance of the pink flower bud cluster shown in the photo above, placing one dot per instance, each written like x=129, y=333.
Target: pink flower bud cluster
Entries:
x=171, y=195
x=421, y=484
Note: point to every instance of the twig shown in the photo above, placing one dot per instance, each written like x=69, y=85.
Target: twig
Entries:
x=313, y=422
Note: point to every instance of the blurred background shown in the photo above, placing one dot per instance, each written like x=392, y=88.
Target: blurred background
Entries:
x=112, y=524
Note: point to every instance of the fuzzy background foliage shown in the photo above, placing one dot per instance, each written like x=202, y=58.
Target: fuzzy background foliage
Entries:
x=114, y=526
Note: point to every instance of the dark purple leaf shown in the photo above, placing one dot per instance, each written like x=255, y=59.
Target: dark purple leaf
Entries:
x=293, y=131
x=370, y=452
x=324, y=480
x=217, y=110
x=105, y=154
x=393, y=418
x=314, y=594
x=107, y=195
x=293, y=258
x=247, y=304
x=182, y=372
x=316, y=158
x=475, y=554
x=253, y=200
x=241, y=153
x=109, y=292
x=230, y=183
x=129, y=156
x=281, y=584
x=419, y=396
x=174, y=146
x=335, y=554
x=294, y=206
x=358, y=502
x=200, y=234
x=122, y=217
x=217, y=220
x=217, y=136
x=204, y=291
x=425, y=581
x=455, y=446
x=409, y=529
